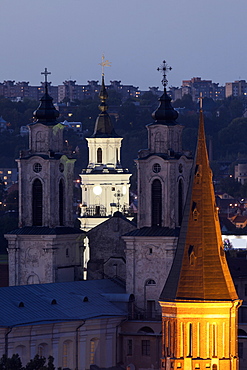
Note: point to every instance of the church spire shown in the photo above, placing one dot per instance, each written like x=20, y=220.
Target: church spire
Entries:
x=103, y=125
x=200, y=270
x=165, y=114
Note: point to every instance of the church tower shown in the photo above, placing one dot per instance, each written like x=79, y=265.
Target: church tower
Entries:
x=45, y=248
x=163, y=168
x=199, y=302
x=105, y=183
x=163, y=172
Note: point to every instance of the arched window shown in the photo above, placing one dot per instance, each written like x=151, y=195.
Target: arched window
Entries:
x=93, y=350
x=180, y=201
x=42, y=350
x=190, y=340
x=156, y=203
x=61, y=203
x=158, y=141
x=99, y=155
x=22, y=352
x=37, y=200
x=33, y=279
x=39, y=141
x=145, y=329
x=67, y=354
x=150, y=282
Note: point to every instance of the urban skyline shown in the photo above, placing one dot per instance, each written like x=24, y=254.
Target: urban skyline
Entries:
x=196, y=38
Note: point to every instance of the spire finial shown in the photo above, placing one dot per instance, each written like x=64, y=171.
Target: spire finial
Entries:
x=46, y=73
x=164, y=68
x=104, y=63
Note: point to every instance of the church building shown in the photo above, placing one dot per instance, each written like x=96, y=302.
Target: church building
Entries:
x=163, y=171
x=105, y=183
x=199, y=301
x=46, y=248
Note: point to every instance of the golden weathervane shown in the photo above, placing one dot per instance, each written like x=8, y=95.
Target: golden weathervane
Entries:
x=104, y=63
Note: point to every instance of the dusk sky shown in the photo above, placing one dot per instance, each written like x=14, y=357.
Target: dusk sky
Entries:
x=198, y=38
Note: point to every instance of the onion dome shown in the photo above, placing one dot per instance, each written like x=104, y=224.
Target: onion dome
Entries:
x=103, y=125
x=46, y=113
x=165, y=114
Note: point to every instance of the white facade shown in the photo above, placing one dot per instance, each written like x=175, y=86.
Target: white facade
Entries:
x=74, y=345
x=104, y=183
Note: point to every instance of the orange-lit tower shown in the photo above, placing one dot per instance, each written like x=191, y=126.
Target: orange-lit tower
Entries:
x=199, y=302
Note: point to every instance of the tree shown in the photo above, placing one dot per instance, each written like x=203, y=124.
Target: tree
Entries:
x=37, y=363
x=13, y=363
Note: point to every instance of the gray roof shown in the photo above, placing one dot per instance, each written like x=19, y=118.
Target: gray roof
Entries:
x=154, y=231
x=59, y=302
x=44, y=230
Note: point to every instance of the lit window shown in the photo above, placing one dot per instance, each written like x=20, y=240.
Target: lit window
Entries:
x=1, y=172
x=9, y=172
x=5, y=177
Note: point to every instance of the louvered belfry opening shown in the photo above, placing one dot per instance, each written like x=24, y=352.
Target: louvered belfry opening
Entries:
x=99, y=155
x=156, y=203
x=61, y=203
x=37, y=203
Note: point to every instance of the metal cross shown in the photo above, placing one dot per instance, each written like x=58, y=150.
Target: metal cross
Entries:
x=104, y=63
x=164, y=68
x=46, y=73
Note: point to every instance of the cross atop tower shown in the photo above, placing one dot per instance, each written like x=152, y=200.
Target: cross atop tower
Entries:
x=46, y=73
x=163, y=69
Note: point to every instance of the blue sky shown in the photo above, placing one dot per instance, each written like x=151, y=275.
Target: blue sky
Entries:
x=205, y=38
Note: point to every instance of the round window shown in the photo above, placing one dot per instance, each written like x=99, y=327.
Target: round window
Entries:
x=37, y=167
x=61, y=167
x=156, y=168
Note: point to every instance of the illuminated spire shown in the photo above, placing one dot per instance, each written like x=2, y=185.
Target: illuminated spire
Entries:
x=200, y=270
x=103, y=125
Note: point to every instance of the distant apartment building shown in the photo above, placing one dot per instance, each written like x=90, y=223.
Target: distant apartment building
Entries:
x=236, y=88
x=195, y=87
x=127, y=91
x=21, y=90
x=240, y=172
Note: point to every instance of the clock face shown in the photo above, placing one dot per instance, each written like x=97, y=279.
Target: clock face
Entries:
x=97, y=190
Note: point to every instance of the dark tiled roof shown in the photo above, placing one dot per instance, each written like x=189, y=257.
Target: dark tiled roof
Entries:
x=43, y=230
x=59, y=302
x=154, y=231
